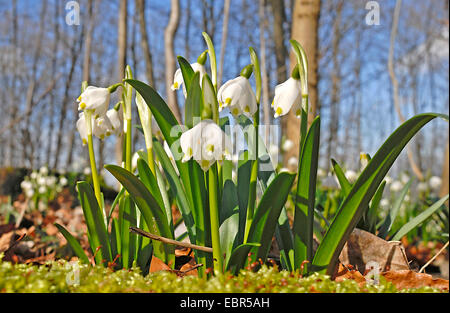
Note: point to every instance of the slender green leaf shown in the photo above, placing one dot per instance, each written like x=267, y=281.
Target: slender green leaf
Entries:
x=267, y=213
x=154, y=216
x=74, y=244
x=390, y=218
x=239, y=256
x=306, y=194
x=95, y=221
x=363, y=190
x=416, y=221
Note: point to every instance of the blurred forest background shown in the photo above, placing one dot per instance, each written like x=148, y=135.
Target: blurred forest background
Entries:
x=366, y=76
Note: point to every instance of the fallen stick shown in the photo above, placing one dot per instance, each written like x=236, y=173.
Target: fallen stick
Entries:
x=169, y=241
x=433, y=258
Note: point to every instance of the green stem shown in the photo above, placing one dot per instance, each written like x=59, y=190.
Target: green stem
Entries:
x=128, y=146
x=214, y=217
x=253, y=180
x=95, y=179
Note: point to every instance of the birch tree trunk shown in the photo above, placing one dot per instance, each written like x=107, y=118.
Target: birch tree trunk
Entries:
x=305, y=27
x=169, y=35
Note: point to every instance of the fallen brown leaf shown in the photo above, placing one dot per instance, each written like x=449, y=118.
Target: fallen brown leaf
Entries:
x=409, y=279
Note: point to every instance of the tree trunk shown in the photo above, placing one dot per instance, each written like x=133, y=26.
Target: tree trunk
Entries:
x=169, y=35
x=223, y=43
x=305, y=29
x=144, y=43
x=86, y=71
x=394, y=81
x=335, y=88
x=264, y=78
x=445, y=177
x=121, y=63
x=279, y=17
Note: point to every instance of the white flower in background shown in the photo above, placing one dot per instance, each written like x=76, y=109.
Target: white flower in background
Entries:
x=29, y=193
x=95, y=99
x=87, y=171
x=352, y=176
x=63, y=181
x=33, y=175
x=406, y=198
x=206, y=143
x=384, y=203
x=42, y=189
x=50, y=181
x=42, y=181
x=288, y=95
x=115, y=120
x=43, y=170
x=25, y=185
x=321, y=173
x=435, y=182
x=178, y=77
x=404, y=178
x=292, y=162
x=396, y=186
x=330, y=182
x=237, y=94
x=388, y=180
x=287, y=145
x=422, y=187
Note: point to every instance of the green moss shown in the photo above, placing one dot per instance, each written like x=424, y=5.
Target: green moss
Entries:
x=61, y=276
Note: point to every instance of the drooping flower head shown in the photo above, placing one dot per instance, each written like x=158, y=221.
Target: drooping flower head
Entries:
x=198, y=66
x=95, y=99
x=237, y=94
x=206, y=143
x=288, y=95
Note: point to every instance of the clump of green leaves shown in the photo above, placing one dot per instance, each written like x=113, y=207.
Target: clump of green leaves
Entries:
x=62, y=276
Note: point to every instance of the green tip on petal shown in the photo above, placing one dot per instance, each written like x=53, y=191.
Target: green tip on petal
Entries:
x=247, y=71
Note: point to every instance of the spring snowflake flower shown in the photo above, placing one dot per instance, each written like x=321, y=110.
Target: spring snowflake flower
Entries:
x=396, y=186
x=237, y=94
x=63, y=181
x=287, y=145
x=206, y=143
x=422, y=187
x=178, y=77
x=115, y=120
x=352, y=176
x=435, y=182
x=95, y=99
x=288, y=95
x=43, y=170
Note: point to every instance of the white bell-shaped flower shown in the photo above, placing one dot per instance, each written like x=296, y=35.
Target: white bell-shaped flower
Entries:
x=95, y=99
x=288, y=95
x=102, y=127
x=178, y=77
x=82, y=128
x=238, y=95
x=116, y=122
x=206, y=143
